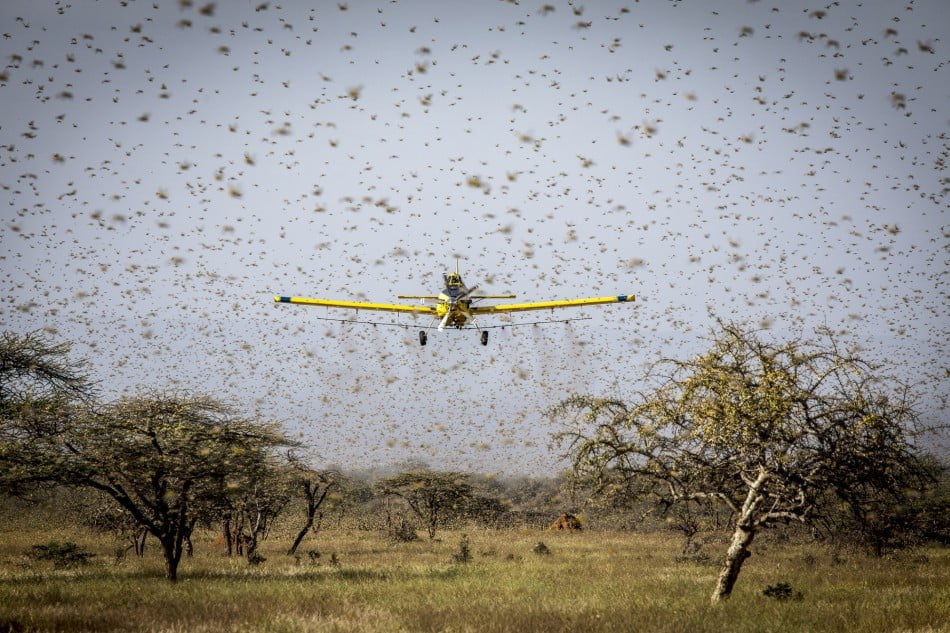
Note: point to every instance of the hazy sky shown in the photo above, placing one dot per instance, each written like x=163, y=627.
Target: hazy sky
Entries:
x=167, y=167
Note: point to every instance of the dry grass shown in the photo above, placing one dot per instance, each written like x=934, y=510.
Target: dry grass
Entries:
x=590, y=582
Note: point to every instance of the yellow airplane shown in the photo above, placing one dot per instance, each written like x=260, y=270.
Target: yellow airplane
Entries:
x=454, y=306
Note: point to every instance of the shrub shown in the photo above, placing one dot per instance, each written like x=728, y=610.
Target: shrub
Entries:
x=401, y=531
x=693, y=553
x=62, y=555
x=782, y=591
x=464, y=554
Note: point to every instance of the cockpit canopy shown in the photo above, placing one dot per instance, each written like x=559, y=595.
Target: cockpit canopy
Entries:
x=454, y=287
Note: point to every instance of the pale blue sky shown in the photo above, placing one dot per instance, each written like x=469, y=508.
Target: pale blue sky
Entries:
x=166, y=169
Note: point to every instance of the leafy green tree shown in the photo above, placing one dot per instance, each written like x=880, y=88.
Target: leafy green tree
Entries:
x=766, y=430
x=167, y=460
x=432, y=496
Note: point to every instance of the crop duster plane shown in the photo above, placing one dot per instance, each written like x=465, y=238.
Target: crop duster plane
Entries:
x=455, y=306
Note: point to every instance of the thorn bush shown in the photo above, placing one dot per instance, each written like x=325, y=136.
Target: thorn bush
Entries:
x=62, y=555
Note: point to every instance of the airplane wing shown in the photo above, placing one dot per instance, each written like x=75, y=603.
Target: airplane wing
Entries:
x=356, y=305
x=544, y=305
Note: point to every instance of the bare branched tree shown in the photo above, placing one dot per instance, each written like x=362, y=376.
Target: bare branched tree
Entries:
x=314, y=486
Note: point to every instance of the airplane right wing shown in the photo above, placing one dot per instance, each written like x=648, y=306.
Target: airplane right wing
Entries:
x=544, y=305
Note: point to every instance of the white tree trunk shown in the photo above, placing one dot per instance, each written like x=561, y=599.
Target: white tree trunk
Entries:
x=742, y=539
x=736, y=554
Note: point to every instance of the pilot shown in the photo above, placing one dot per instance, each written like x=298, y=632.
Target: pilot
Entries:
x=453, y=281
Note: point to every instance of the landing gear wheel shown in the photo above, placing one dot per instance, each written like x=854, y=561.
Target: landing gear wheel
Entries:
x=484, y=337
x=422, y=337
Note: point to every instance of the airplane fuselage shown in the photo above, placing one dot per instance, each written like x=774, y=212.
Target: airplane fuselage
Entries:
x=454, y=307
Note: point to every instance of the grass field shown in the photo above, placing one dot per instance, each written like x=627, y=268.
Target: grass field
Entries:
x=591, y=581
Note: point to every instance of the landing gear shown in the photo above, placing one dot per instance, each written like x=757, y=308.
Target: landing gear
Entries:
x=422, y=337
x=484, y=337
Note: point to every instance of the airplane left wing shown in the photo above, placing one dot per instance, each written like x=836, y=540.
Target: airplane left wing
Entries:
x=357, y=305
x=544, y=305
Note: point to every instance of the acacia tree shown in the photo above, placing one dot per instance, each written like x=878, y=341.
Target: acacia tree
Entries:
x=255, y=497
x=432, y=496
x=314, y=485
x=881, y=521
x=167, y=460
x=101, y=513
x=765, y=429
x=34, y=368
x=38, y=381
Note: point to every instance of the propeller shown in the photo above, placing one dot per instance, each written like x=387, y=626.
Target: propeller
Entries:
x=466, y=294
x=445, y=320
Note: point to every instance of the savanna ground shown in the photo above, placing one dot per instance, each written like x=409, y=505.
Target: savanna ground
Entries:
x=590, y=581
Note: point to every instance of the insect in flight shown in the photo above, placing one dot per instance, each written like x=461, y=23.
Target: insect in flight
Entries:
x=455, y=306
